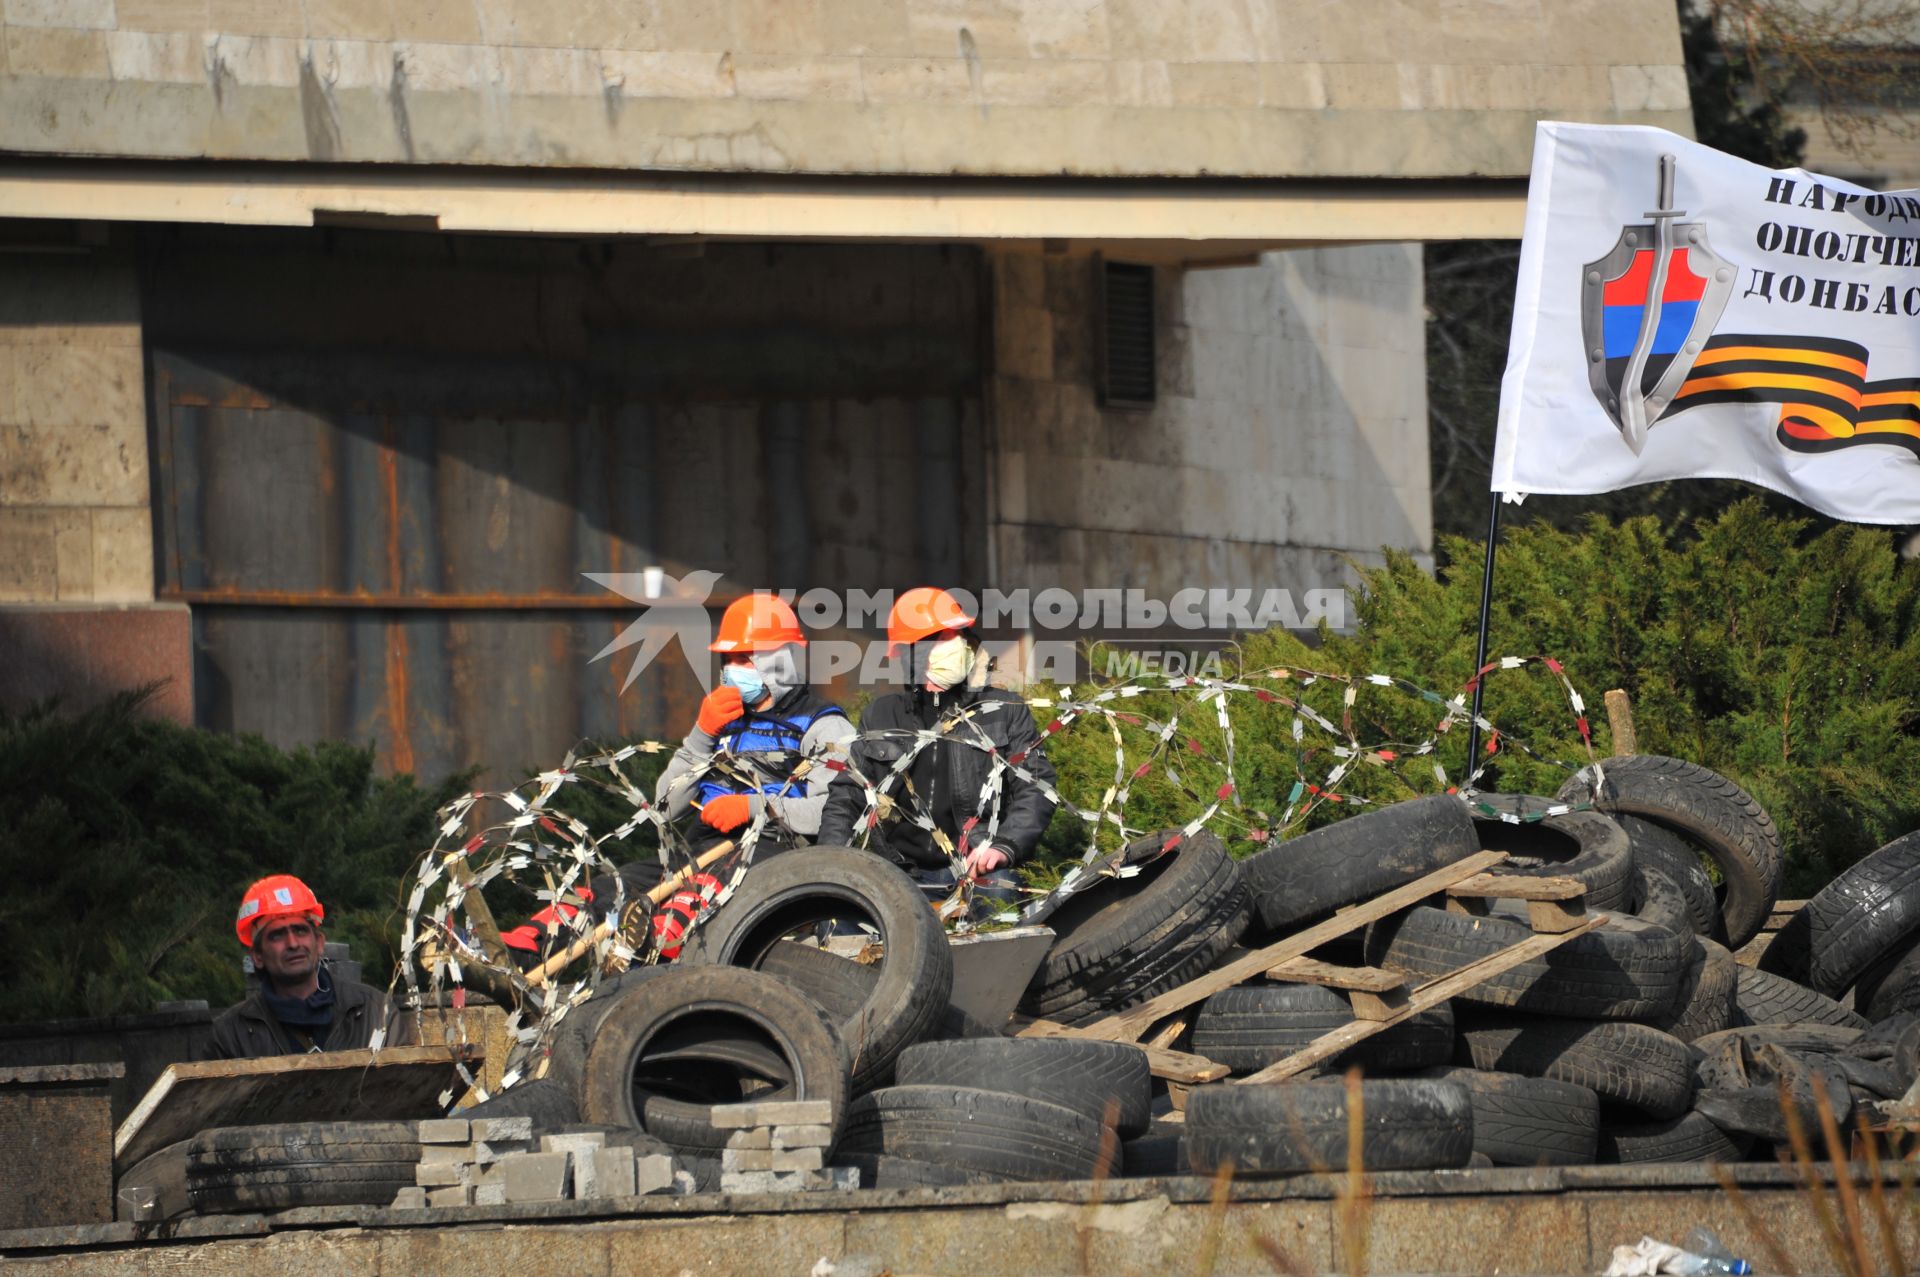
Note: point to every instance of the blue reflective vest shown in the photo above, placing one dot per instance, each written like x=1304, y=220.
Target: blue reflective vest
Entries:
x=773, y=737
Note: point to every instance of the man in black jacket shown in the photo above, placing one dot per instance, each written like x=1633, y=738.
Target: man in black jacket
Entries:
x=943, y=784
x=299, y=1007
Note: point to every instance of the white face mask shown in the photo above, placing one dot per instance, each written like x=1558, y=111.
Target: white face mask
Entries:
x=778, y=670
x=948, y=663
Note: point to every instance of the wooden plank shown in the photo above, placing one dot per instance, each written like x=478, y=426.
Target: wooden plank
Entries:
x=1174, y=1066
x=398, y=1082
x=1432, y=993
x=1551, y=917
x=1326, y=974
x=1128, y=1025
x=1519, y=887
x=1167, y=1034
x=1377, y=1006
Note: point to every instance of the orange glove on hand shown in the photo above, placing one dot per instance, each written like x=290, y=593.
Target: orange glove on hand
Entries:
x=729, y=811
x=721, y=707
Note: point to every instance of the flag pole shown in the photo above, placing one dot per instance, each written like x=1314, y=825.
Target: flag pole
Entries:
x=1480, y=649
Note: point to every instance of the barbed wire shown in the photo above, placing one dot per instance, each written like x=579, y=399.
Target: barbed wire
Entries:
x=552, y=857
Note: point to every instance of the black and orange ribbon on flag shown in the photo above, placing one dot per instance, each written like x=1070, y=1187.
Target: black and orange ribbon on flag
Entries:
x=1821, y=383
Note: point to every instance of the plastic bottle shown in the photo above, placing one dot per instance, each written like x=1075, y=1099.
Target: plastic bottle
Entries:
x=1703, y=1248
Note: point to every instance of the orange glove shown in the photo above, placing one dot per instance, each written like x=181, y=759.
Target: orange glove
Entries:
x=721, y=707
x=729, y=811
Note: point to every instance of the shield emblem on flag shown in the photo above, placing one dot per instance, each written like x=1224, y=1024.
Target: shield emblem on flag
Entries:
x=1640, y=314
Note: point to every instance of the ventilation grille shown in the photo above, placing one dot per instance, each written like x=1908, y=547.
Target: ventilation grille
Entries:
x=1126, y=335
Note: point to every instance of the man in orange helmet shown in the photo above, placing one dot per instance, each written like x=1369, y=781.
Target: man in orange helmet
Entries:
x=299, y=1006
x=763, y=719
x=947, y=669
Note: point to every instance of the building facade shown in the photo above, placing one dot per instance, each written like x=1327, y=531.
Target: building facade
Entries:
x=339, y=338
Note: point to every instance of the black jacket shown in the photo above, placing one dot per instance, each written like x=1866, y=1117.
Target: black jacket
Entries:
x=249, y=1030
x=957, y=772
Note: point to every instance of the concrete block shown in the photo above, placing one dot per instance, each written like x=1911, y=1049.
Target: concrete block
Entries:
x=410, y=1198
x=258, y=60
x=1649, y=88
x=538, y=1177
x=351, y=19
x=1139, y=83
x=497, y=1129
x=57, y=53
x=684, y=1184
x=798, y=1159
x=612, y=1170
x=158, y=57
x=446, y=1154
x=814, y=1136
x=439, y=21
x=785, y=78
x=446, y=1130
x=442, y=1174
x=752, y=1137
x=60, y=13
x=586, y=1181
x=583, y=1142
x=1027, y=83
x=256, y=17
x=181, y=16
x=451, y=1195
x=656, y=1173
x=1215, y=84
x=843, y=1178
x=489, y=1194
x=746, y=1159
x=487, y=1152
x=919, y=81
x=123, y=556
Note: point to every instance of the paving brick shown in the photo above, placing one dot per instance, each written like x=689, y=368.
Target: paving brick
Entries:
x=746, y=1159
x=612, y=1171
x=451, y=1195
x=819, y=1136
x=410, y=1198
x=586, y=1178
x=446, y=1154
x=489, y=1194
x=446, y=1130
x=656, y=1173
x=442, y=1175
x=752, y=1137
x=583, y=1142
x=798, y=1159
x=537, y=1177
x=487, y=1152
x=495, y=1129
x=773, y=1113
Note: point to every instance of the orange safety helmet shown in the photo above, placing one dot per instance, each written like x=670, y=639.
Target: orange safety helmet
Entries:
x=757, y=623
x=920, y=612
x=278, y=896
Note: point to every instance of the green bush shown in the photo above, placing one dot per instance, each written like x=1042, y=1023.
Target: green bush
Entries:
x=126, y=842
x=1787, y=660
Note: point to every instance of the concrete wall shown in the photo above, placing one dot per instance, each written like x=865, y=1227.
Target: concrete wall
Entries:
x=74, y=524
x=77, y=618
x=1095, y=87
x=1290, y=429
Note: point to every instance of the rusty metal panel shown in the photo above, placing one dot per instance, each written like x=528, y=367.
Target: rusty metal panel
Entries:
x=381, y=473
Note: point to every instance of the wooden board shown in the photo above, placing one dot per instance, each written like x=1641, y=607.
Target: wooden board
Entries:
x=400, y=1082
x=1519, y=887
x=1432, y=993
x=1174, y=1066
x=1326, y=974
x=1128, y=1025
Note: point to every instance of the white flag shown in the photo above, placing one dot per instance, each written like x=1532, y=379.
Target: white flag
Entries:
x=1685, y=314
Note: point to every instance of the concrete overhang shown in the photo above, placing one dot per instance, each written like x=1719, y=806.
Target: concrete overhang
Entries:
x=1195, y=221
